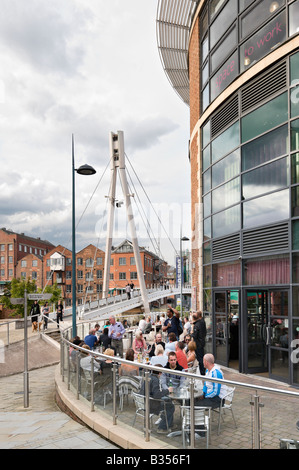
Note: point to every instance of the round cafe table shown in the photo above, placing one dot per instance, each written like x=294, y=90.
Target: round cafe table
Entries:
x=181, y=394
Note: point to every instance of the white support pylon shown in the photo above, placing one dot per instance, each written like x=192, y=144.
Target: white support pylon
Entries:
x=117, y=155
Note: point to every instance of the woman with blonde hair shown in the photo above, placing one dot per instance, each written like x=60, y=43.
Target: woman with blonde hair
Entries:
x=191, y=355
x=139, y=345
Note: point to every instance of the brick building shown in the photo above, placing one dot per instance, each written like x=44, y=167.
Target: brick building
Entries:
x=123, y=268
x=14, y=247
x=57, y=267
x=31, y=267
x=90, y=266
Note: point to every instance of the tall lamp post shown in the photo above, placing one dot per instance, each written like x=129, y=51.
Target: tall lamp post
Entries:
x=82, y=170
x=182, y=239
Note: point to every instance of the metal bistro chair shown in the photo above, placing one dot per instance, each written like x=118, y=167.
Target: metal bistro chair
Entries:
x=201, y=422
x=127, y=385
x=226, y=404
x=140, y=408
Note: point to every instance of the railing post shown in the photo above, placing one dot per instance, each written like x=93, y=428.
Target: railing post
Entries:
x=8, y=333
x=92, y=385
x=68, y=367
x=78, y=376
x=147, y=406
x=256, y=425
x=114, y=385
x=62, y=358
x=192, y=431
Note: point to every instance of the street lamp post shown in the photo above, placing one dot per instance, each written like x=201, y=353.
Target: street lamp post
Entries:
x=82, y=170
x=182, y=239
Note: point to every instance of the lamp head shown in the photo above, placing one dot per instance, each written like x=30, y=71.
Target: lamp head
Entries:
x=86, y=170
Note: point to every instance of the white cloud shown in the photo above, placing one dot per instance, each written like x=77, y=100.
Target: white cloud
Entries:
x=84, y=68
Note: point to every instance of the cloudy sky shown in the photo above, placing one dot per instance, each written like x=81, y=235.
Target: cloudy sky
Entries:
x=89, y=67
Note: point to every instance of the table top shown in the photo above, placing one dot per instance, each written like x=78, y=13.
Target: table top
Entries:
x=183, y=393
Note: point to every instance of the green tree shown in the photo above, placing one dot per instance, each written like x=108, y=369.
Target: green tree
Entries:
x=54, y=290
x=16, y=289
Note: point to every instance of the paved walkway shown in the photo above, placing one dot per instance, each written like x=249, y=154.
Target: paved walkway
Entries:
x=42, y=425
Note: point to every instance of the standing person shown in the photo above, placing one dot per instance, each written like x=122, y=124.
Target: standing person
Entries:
x=59, y=312
x=45, y=312
x=172, y=324
x=35, y=312
x=199, y=336
x=128, y=291
x=116, y=332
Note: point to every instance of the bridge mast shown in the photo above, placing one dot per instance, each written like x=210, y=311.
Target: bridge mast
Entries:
x=117, y=155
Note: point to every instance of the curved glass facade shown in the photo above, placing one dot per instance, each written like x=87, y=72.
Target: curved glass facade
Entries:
x=250, y=181
x=235, y=34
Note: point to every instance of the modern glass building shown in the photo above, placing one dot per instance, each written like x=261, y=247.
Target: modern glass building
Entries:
x=236, y=64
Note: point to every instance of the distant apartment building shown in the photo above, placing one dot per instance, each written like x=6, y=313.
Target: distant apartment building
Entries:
x=16, y=246
x=90, y=267
x=31, y=267
x=123, y=269
x=58, y=269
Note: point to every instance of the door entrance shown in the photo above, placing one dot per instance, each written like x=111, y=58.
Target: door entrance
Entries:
x=227, y=328
x=267, y=333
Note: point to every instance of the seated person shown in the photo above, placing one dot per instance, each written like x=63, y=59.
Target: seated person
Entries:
x=212, y=391
x=142, y=324
x=181, y=355
x=127, y=369
x=104, y=339
x=85, y=361
x=159, y=357
x=170, y=346
x=139, y=345
x=191, y=354
x=105, y=383
x=91, y=340
x=167, y=377
x=156, y=406
x=158, y=340
x=148, y=327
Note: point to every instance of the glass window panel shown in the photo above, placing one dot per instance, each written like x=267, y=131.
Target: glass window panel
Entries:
x=295, y=201
x=227, y=274
x=225, y=142
x=279, y=303
x=295, y=135
x=225, y=75
x=223, y=21
x=267, y=270
x=207, y=205
x=225, y=169
x=207, y=299
x=204, y=22
x=295, y=303
x=207, y=276
x=207, y=253
x=295, y=274
x=266, y=117
x=266, y=209
x=265, y=40
x=205, y=74
x=271, y=177
x=244, y=4
x=265, y=148
x=215, y=7
x=206, y=133
x=207, y=231
x=295, y=168
x=223, y=49
x=258, y=14
x=207, y=181
x=206, y=97
x=206, y=158
x=295, y=351
x=294, y=18
x=226, y=195
x=205, y=49
x=295, y=101
x=294, y=66
x=226, y=222
x=295, y=235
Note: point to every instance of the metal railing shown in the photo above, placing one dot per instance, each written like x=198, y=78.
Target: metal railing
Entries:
x=251, y=431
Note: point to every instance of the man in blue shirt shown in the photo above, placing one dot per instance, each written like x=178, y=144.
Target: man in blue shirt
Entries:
x=212, y=391
x=91, y=339
x=116, y=332
x=172, y=323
